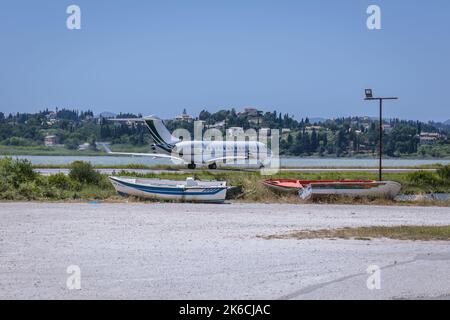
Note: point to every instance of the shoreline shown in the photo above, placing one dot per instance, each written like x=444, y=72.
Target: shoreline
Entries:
x=104, y=154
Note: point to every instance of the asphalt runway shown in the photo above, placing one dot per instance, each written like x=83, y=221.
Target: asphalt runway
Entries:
x=201, y=251
x=112, y=171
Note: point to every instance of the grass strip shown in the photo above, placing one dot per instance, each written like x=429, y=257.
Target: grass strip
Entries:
x=414, y=233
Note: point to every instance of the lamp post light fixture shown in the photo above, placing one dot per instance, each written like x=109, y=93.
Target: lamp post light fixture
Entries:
x=369, y=97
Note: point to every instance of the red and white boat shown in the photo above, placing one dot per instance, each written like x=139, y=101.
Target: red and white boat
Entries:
x=308, y=189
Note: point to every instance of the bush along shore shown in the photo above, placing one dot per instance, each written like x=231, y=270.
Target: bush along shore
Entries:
x=18, y=181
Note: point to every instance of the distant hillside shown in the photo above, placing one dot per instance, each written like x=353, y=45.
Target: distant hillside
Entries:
x=107, y=114
x=447, y=122
x=349, y=136
x=317, y=120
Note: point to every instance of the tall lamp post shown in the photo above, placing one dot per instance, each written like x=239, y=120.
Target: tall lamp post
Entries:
x=369, y=96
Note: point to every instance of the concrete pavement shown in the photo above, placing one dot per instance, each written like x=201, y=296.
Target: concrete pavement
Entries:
x=200, y=251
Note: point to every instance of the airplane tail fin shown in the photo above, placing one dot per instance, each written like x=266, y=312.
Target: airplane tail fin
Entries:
x=159, y=132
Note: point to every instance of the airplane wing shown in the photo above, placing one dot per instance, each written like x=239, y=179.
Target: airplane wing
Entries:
x=134, y=154
x=250, y=155
x=151, y=155
x=227, y=158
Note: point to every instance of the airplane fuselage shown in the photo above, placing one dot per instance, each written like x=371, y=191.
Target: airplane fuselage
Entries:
x=200, y=152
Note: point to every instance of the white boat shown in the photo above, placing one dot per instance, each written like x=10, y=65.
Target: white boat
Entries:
x=188, y=190
x=373, y=189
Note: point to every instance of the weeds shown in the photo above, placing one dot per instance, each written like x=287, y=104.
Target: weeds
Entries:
x=18, y=181
x=415, y=233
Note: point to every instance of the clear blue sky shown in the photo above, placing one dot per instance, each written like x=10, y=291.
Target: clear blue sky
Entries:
x=305, y=58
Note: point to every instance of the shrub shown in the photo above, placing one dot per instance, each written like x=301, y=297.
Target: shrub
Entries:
x=444, y=173
x=104, y=183
x=23, y=170
x=83, y=172
x=424, y=178
x=30, y=191
x=16, y=171
x=72, y=144
x=60, y=181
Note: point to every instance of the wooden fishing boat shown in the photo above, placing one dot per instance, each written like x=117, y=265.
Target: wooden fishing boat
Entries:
x=308, y=189
x=370, y=189
x=293, y=186
x=283, y=185
x=188, y=190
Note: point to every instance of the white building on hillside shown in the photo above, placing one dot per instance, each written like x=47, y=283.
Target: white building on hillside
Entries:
x=184, y=117
x=235, y=131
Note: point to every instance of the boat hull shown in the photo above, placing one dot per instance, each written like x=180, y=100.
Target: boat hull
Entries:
x=126, y=187
x=308, y=189
x=382, y=189
x=283, y=185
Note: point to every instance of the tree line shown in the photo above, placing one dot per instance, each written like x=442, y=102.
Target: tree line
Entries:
x=344, y=136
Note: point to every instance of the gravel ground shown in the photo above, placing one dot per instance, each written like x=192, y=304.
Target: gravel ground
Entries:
x=195, y=251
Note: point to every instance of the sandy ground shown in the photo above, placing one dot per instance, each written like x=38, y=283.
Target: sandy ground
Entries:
x=194, y=251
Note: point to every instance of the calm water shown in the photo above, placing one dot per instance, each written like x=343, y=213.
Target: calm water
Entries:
x=286, y=162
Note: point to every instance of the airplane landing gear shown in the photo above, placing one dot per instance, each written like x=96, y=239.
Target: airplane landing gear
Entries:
x=212, y=166
x=191, y=166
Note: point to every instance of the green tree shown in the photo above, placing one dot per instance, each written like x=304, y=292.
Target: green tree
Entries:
x=83, y=172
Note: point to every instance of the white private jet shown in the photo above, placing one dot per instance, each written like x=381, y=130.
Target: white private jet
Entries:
x=195, y=153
